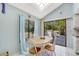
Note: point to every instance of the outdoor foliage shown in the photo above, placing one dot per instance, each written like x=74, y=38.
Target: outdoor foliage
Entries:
x=31, y=26
x=58, y=25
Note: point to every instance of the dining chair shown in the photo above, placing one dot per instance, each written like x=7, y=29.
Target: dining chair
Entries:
x=34, y=50
x=50, y=47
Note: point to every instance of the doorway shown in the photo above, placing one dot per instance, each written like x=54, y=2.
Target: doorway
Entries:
x=59, y=29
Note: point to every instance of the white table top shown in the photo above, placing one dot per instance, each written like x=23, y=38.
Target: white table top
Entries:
x=38, y=41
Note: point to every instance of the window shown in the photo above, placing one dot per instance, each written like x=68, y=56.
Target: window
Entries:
x=29, y=28
x=59, y=29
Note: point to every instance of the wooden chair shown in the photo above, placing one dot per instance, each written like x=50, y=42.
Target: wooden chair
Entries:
x=50, y=47
x=34, y=50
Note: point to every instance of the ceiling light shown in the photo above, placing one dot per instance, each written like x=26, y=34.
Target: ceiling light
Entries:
x=42, y=5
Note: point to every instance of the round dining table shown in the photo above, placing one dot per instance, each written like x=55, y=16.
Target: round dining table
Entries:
x=59, y=50
x=37, y=41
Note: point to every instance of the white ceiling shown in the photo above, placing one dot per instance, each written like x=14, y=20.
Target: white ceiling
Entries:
x=33, y=8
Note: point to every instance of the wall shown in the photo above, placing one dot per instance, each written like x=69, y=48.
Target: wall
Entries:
x=69, y=33
x=37, y=28
x=76, y=33
x=76, y=8
x=9, y=29
x=65, y=11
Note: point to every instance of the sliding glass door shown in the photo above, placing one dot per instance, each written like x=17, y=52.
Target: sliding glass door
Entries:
x=59, y=29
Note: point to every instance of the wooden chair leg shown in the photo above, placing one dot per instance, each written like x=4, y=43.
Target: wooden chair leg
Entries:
x=36, y=49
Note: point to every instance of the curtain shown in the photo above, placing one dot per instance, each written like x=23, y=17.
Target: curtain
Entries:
x=22, y=32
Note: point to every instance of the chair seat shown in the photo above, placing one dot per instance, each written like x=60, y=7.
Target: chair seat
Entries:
x=49, y=47
x=33, y=51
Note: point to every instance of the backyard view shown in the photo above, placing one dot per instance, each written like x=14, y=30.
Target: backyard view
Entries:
x=29, y=28
x=59, y=29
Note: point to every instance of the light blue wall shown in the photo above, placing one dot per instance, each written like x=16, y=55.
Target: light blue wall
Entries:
x=65, y=11
x=9, y=29
x=37, y=28
x=69, y=30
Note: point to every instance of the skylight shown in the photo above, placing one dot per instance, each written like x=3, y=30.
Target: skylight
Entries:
x=42, y=5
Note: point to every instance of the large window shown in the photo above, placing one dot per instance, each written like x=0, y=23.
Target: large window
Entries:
x=59, y=29
x=26, y=30
x=29, y=28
